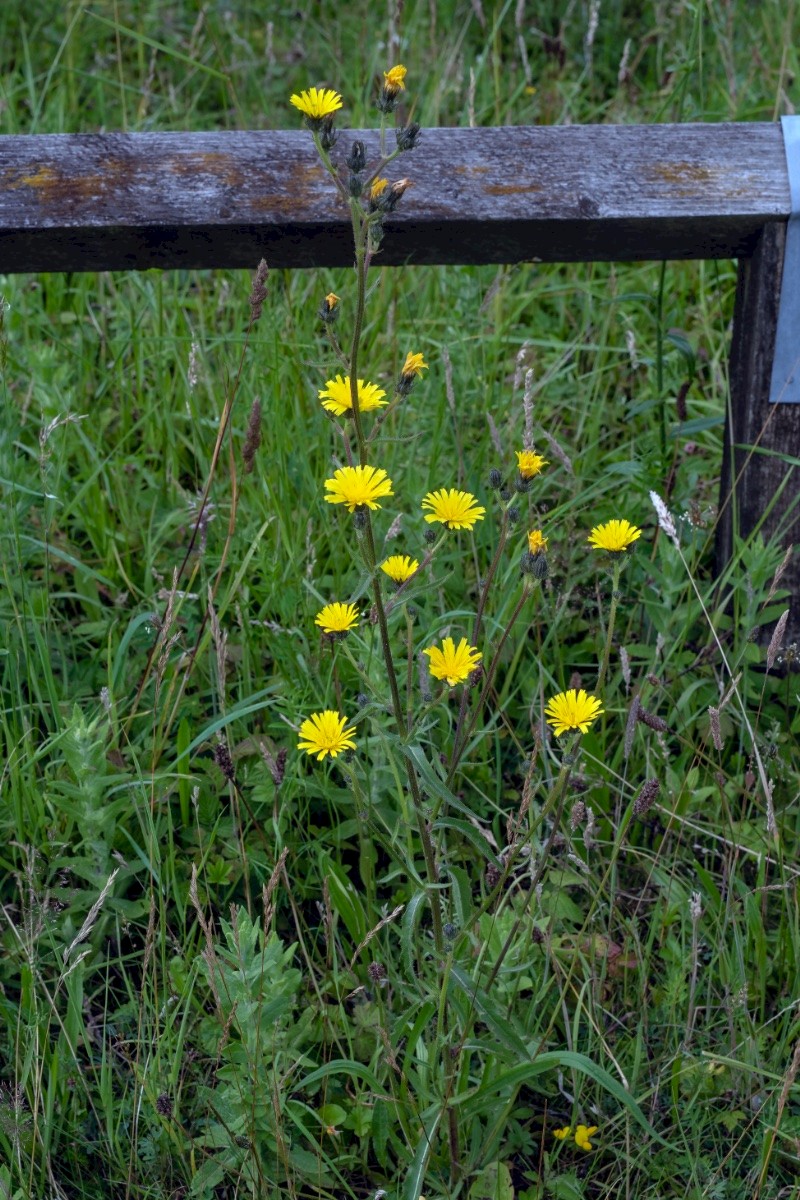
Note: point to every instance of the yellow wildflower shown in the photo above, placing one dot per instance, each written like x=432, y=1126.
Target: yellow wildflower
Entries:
x=317, y=103
x=614, y=536
x=456, y=510
x=357, y=486
x=324, y=733
x=400, y=567
x=453, y=663
x=414, y=365
x=377, y=188
x=572, y=710
x=582, y=1135
x=337, y=397
x=537, y=542
x=530, y=463
x=337, y=618
x=394, y=79
x=561, y=1134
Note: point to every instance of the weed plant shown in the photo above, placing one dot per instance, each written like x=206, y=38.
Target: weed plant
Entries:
x=298, y=897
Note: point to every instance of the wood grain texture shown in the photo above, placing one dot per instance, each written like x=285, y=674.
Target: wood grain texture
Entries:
x=559, y=194
x=760, y=489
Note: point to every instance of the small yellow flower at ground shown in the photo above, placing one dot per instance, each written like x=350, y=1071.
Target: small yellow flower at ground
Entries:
x=400, y=567
x=572, y=710
x=582, y=1135
x=530, y=463
x=456, y=510
x=394, y=79
x=324, y=733
x=317, y=103
x=337, y=618
x=356, y=486
x=453, y=663
x=537, y=542
x=377, y=188
x=561, y=1134
x=337, y=398
x=614, y=536
x=414, y=365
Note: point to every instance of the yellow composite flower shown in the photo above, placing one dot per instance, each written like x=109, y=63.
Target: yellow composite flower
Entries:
x=317, y=103
x=530, y=463
x=400, y=567
x=456, y=510
x=337, y=398
x=331, y=300
x=357, y=486
x=337, y=618
x=453, y=663
x=537, y=542
x=614, y=536
x=394, y=79
x=414, y=365
x=324, y=733
x=377, y=188
x=582, y=1135
x=572, y=710
x=561, y=1134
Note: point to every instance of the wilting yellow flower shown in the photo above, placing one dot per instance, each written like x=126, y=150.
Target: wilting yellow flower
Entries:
x=337, y=397
x=456, y=510
x=537, y=542
x=400, y=567
x=337, y=618
x=582, y=1135
x=414, y=365
x=355, y=486
x=324, y=733
x=530, y=463
x=317, y=103
x=572, y=710
x=377, y=188
x=614, y=536
x=394, y=79
x=453, y=663
x=331, y=300
x=561, y=1134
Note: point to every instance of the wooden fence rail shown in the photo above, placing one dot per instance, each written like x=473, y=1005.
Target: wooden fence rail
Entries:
x=556, y=194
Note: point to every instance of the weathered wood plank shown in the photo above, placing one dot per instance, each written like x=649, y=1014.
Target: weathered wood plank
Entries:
x=759, y=436
x=559, y=194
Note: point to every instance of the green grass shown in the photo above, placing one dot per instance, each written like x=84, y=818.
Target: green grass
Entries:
x=200, y=1029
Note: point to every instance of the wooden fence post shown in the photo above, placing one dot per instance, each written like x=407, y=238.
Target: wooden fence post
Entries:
x=760, y=489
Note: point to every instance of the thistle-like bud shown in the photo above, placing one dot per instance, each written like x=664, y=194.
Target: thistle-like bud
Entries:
x=376, y=972
x=391, y=197
x=360, y=517
x=495, y=479
x=355, y=184
x=327, y=134
x=430, y=536
x=505, y=495
x=408, y=137
x=540, y=568
x=357, y=158
x=513, y=515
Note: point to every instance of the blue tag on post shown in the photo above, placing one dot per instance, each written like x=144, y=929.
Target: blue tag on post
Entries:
x=785, y=384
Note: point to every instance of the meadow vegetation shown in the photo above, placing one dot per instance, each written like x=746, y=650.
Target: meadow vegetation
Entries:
x=297, y=897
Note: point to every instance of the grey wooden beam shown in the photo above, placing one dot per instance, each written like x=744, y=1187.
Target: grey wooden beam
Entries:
x=134, y=201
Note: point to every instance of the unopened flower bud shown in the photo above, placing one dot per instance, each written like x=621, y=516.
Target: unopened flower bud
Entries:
x=430, y=536
x=328, y=311
x=540, y=569
x=408, y=137
x=360, y=517
x=328, y=134
x=505, y=494
x=495, y=479
x=355, y=184
x=450, y=930
x=391, y=197
x=357, y=158
x=513, y=515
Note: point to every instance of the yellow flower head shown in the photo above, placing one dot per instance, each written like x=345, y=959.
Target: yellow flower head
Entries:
x=614, y=536
x=453, y=663
x=317, y=103
x=377, y=188
x=582, y=1135
x=394, y=79
x=331, y=300
x=561, y=1134
x=356, y=486
x=572, y=710
x=530, y=463
x=537, y=542
x=414, y=365
x=337, y=618
x=400, y=567
x=337, y=397
x=456, y=510
x=324, y=733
